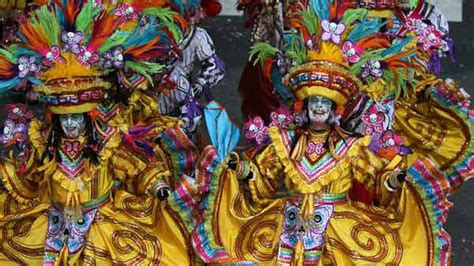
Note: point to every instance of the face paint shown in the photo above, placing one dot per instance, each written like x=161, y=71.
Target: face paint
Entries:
x=72, y=124
x=319, y=110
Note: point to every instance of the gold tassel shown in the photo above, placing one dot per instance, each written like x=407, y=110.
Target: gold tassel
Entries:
x=307, y=208
x=300, y=147
x=298, y=254
x=63, y=257
x=332, y=150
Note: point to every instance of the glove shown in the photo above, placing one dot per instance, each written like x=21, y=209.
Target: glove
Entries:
x=163, y=193
x=401, y=176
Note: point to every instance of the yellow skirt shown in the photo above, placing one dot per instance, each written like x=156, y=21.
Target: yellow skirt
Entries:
x=128, y=230
x=353, y=233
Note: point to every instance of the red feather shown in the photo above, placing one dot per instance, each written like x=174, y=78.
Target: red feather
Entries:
x=104, y=27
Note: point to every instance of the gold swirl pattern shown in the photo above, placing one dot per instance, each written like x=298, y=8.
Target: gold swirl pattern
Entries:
x=372, y=237
x=132, y=243
x=257, y=237
x=138, y=207
x=18, y=229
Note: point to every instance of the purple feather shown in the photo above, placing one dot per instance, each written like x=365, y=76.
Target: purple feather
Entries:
x=435, y=63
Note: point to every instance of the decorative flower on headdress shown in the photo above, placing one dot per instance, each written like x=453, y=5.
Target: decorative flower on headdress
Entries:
x=126, y=11
x=351, y=52
x=87, y=58
x=332, y=31
x=72, y=41
x=53, y=56
x=255, y=130
x=431, y=38
x=282, y=118
x=373, y=120
x=98, y=4
x=114, y=58
x=27, y=65
x=15, y=128
x=19, y=113
x=372, y=68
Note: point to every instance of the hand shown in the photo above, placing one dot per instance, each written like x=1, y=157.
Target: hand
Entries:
x=163, y=193
x=197, y=90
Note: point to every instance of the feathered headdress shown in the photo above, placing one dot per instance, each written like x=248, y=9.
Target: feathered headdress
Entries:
x=68, y=45
x=337, y=51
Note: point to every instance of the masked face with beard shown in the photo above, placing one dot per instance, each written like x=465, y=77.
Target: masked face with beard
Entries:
x=72, y=124
x=319, y=111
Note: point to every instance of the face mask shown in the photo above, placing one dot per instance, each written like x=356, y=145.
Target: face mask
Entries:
x=72, y=124
x=319, y=109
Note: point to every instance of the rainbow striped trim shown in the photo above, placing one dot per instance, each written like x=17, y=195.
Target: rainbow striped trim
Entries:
x=210, y=177
x=463, y=169
x=312, y=171
x=182, y=151
x=431, y=184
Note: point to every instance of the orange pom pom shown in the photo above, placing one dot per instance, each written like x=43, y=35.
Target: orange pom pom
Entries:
x=298, y=106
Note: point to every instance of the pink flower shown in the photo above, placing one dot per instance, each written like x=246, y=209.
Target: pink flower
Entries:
x=373, y=120
x=389, y=139
x=255, y=130
x=431, y=38
x=126, y=11
x=19, y=113
x=351, y=52
x=87, y=58
x=54, y=55
x=281, y=118
x=332, y=31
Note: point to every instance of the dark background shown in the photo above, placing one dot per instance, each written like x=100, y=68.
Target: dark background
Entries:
x=232, y=44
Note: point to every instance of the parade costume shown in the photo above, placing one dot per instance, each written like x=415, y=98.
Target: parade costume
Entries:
x=91, y=198
x=286, y=202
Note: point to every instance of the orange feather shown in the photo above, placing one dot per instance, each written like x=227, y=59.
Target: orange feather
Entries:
x=103, y=29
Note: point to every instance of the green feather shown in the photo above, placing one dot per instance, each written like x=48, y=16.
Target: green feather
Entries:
x=45, y=19
x=8, y=55
x=310, y=20
x=116, y=39
x=85, y=18
x=164, y=14
x=374, y=55
x=352, y=15
x=145, y=68
x=261, y=51
x=166, y=17
x=295, y=50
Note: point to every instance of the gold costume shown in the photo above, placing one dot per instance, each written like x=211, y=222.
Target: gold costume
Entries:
x=264, y=228
x=128, y=225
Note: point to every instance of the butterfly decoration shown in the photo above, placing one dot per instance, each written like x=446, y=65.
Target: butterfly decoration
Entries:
x=255, y=130
x=373, y=120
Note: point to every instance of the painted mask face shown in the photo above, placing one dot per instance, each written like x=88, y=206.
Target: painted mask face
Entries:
x=319, y=109
x=72, y=124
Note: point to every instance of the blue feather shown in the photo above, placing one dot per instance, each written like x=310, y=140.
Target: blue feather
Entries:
x=60, y=16
x=279, y=87
x=8, y=84
x=35, y=81
x=143, y=35
x=396, y=47
x=365, y=28
x=321, y=8
x=23, y=51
